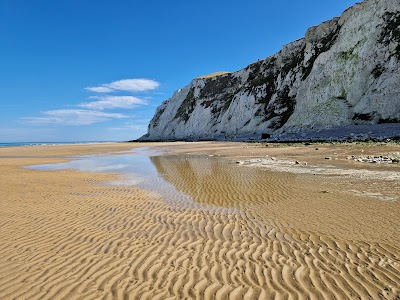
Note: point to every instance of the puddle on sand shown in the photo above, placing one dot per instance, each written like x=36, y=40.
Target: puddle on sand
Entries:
x=181, y=179
x=136, y=168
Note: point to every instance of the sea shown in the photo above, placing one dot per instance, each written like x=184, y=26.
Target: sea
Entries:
x=45, y=143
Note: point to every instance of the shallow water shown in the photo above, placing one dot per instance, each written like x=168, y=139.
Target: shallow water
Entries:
x=182, y=179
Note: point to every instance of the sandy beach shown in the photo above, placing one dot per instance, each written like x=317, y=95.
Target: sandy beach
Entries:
x=206, y=220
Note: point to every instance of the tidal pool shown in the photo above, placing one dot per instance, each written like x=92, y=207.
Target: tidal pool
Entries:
x=181, y=179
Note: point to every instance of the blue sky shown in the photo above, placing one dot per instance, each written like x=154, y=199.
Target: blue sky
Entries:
x=96, y=70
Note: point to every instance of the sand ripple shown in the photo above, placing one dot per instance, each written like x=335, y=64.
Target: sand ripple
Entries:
x=248, y=234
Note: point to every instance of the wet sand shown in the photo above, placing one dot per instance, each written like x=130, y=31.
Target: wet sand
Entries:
x=215, y=229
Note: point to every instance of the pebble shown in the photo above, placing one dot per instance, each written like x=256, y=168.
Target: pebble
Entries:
x=385, y=159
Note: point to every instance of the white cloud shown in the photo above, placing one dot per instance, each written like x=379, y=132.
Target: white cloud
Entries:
x=110, y=102
x=129, y=85
x=99, y=89
x=134, y=85
x=92, y=111
x=72, y=117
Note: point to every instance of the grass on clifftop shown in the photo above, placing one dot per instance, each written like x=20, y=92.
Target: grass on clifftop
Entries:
x=213, y=75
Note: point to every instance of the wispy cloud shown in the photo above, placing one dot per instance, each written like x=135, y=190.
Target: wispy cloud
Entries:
x=93, y=110
x=128, y=85
x=112, y=102
x=72, y=117
x=99, y=89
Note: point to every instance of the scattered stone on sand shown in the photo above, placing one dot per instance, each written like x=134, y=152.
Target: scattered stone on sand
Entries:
x=376, y=159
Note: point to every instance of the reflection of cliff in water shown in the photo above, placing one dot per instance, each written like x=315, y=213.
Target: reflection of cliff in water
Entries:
x=216, y=181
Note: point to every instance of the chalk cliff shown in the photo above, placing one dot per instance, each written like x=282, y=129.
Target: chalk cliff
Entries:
x=345, y=71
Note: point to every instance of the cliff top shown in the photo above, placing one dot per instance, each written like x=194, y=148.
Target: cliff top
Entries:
x=215, y=74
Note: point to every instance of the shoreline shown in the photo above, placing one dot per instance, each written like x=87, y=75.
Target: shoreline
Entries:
x=52, y=144
x=67, y=235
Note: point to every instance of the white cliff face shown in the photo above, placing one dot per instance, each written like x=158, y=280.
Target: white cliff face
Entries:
x=345, y=71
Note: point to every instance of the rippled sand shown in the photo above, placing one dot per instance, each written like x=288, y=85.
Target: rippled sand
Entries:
x=216, y=230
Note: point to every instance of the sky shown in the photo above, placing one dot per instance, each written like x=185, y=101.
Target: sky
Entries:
x=95, y=70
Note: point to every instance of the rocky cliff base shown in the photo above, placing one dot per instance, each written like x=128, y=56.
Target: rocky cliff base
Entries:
x=349, y=133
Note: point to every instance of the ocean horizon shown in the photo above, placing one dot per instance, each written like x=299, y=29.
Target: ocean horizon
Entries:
x=17, y=144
